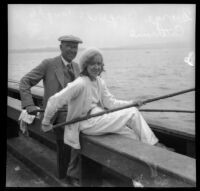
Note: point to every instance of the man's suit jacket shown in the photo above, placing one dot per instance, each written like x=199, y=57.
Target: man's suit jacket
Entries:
x=51, y=71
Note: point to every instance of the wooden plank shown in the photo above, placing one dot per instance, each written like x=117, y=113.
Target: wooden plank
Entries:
x=13, y=108
x=37, y=92
x=134, y=159
x=38, y=157
x=179, y=133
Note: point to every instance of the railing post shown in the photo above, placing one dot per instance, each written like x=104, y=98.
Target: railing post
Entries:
x=91, y=173
x=63, y=153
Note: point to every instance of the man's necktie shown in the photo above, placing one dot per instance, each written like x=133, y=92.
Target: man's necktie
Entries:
x=69, y=74
x=70, y=70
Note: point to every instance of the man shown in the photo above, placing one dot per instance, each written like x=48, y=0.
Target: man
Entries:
x=56, y=73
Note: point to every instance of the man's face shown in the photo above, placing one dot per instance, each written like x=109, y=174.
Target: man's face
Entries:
x=69, y=50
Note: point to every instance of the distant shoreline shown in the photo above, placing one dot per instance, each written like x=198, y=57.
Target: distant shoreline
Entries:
x=142, y=46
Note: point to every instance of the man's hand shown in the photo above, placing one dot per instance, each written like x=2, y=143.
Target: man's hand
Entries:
x=46, y=127
x=32, y=109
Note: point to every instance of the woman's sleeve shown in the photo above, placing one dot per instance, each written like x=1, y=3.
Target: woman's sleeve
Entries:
x=109, y=101
x=61, y=98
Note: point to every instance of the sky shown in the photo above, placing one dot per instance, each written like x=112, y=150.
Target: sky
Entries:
x=100, y=25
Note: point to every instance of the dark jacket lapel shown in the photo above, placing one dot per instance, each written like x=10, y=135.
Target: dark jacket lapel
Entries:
x=59, y=71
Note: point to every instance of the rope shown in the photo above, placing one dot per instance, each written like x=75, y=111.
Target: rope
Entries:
x=143, y=110
x=167, y=110
x=168, y=95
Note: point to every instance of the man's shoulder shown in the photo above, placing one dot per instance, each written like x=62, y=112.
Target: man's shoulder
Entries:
x=52, y=60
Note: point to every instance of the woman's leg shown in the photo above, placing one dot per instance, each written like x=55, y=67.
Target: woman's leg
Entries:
x=141, y=128
x=116, y=123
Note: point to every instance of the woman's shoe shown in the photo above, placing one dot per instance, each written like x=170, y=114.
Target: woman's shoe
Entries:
x=72, y=181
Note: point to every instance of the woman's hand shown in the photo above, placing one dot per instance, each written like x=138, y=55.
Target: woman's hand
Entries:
x=46, y=127
x=138, y=103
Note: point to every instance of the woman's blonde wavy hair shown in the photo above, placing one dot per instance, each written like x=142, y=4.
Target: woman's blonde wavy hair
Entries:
x=87, y=57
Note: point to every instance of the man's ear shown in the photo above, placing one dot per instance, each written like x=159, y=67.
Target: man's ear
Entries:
x=60, y=46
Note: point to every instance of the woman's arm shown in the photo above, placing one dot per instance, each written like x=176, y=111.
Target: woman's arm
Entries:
x=60, y=99
x=109, y=101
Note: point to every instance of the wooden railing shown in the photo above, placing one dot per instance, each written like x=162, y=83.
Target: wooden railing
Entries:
x=149, y=165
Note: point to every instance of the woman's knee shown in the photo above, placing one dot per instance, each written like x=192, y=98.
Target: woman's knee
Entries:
x=133, y=110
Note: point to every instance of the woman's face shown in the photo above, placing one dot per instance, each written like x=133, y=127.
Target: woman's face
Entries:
x=94, y=68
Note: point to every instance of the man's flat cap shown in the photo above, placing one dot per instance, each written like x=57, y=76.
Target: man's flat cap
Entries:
x=70, y=38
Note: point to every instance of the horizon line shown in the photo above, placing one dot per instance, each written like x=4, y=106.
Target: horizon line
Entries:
x=138, y=46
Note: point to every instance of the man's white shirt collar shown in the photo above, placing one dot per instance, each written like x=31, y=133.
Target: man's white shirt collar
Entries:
x=64, y=61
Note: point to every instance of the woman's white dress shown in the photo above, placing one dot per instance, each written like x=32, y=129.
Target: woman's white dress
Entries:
x=128, y=122
x=83, y=95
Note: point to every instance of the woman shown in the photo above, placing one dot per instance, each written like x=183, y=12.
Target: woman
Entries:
x=88, y=94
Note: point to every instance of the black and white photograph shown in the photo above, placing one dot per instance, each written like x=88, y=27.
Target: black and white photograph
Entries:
x=101, y=95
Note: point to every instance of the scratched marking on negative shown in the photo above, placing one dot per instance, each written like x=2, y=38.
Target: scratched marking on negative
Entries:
x=164, y=26
x=190, y=59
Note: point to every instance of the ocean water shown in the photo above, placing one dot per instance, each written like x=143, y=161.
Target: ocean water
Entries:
x=137, y=74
